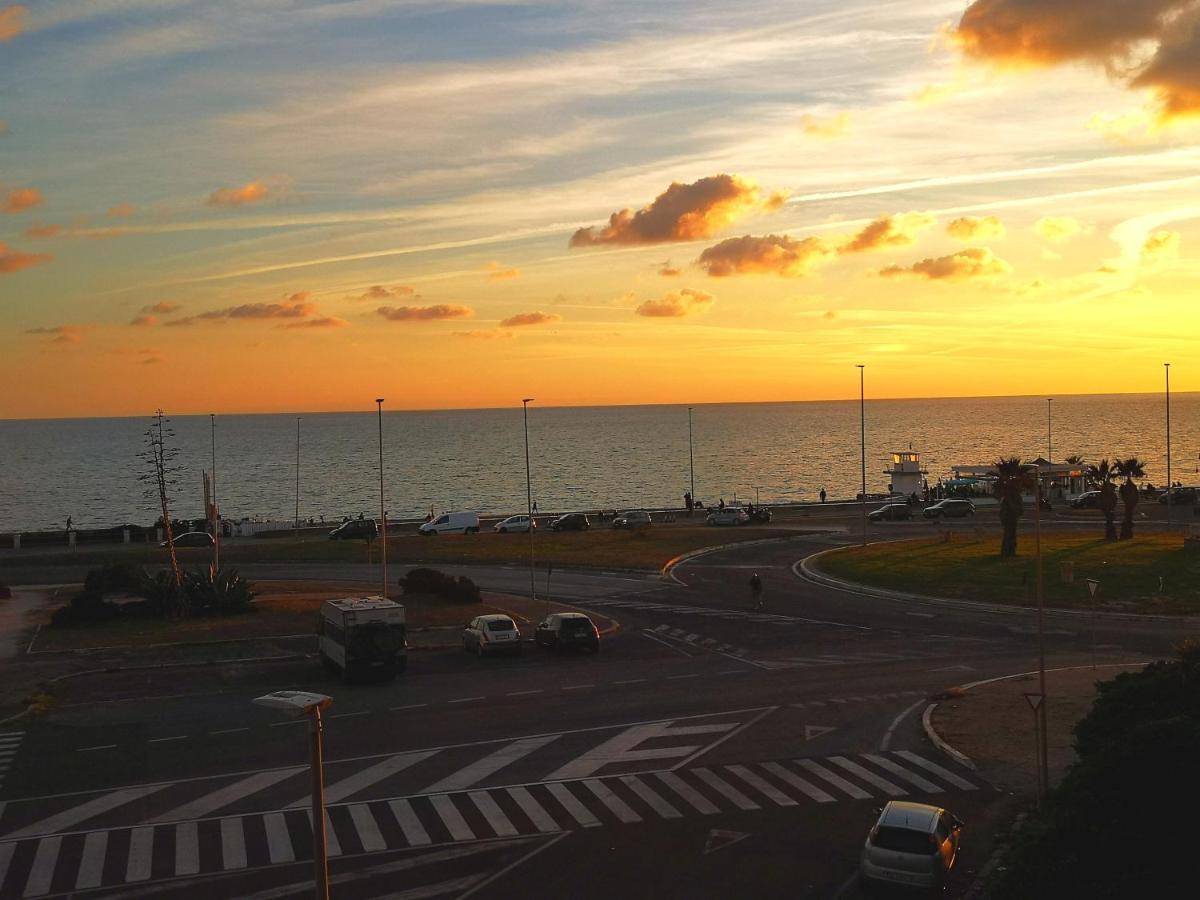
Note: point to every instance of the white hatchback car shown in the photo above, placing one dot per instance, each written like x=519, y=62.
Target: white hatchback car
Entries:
x=912, y=844
x=517, y=524
x=495, y=633
x=730, y=515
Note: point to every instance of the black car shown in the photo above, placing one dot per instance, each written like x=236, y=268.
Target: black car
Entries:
x=568, y=631
x=362, y=529
x=950, y=509
x=571, y=522
x=1086, y=500
x=891, y=512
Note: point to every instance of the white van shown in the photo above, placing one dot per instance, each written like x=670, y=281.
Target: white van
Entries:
x=452, y=523
x=363, y=636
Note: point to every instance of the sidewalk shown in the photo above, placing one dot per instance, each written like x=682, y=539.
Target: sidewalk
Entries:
x=992, y=723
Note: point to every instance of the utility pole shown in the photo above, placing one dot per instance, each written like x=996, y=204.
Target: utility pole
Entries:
x=382, y=511
x=862, y=418
x=529, y=497
x=1049, y=433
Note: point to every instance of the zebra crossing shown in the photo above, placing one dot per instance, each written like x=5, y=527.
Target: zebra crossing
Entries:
x=698, y=640
x=66, y=862
x=10, y=742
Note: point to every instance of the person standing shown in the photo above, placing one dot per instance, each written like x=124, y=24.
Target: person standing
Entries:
x=823, y=495
x=687, y=502
x=756, y=591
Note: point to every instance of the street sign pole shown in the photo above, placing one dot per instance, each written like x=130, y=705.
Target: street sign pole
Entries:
x=1093, y=586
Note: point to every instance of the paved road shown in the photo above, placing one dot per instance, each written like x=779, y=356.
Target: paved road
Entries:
x=709, y=750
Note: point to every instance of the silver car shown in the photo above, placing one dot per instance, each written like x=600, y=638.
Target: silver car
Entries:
x=912, y=844
x=495, y=633
x=634, y=518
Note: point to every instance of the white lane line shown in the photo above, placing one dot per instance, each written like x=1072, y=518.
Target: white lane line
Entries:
x=892, y=790
x=891, y=730
x=409, y=706
x=101, y=747
x=177, y=737
x=571, y=804
x=141, y=851
x=761, y=785
x=615, y=804
x=536, y=813
x=414, y=831
x=347, y=715
x=91, y=863
x=679, y=677
x=525, y=693
x=940, y=771
x=360, y=781
x=229, y=730
x=288, y=722
x=489, y=765
x=187, y=849
x=466, y=699
x=576, y=687
x=659, y=640
x=76, y=814
x=451, y=818
x=233, y=844
x=367, y=828
x=691, y=638
x=719, y=741
x=6, y=855
x=210, y=803
x=726, y=790
x=794, y=780
x=733, y=672
x=631, y=681
x=621, y=748
x=653, y=800
x=42, y=873
x=279, y=842
x=499, y=822
x=333, y=847
x=904, y=774
x=697, y=800
x=833, y=778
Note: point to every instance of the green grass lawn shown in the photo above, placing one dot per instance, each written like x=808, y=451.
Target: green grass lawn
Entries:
x=1129, y=571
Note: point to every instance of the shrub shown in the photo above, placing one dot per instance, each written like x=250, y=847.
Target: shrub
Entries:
x=453, y=589
x=219, y=593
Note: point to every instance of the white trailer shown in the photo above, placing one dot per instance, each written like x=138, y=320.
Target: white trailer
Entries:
x=363, y=637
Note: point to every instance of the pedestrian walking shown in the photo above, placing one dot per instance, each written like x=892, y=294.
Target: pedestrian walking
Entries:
x=721, y=505
x=823, y=495
x=756, y=591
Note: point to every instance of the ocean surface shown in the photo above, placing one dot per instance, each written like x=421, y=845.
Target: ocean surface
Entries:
x=581, y=457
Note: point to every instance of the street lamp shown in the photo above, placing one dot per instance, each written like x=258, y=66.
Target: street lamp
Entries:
x=216, y=515
x=1170, y=483
x=529, y=496
x=302, y=703
x=1049, y=433
x=862, y=418
x=296, y=520
x=691, y=460
x=382, y=512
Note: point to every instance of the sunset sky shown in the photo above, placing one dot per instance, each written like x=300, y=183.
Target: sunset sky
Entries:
x=271, y=205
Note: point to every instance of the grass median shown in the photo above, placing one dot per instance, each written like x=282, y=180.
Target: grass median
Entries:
x=1153, y=573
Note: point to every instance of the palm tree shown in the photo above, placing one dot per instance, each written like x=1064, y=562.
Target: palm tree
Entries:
x=1101, y=475
x=1129, y=469
x=1012, y=480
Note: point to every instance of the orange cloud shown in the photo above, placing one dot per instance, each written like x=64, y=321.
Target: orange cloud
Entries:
x=484, y=335
x=12, y=21
x=1152, y=44
x=144, y=321
x=497, y=272
x=970, y=228
x=323, y=322
x=676, y=304
x=772, y=254
x=683, y=212
x=973, y=262
x=666, y=270
x=40, y=231
x=121, y=211
x=888, y=231
x=3, y=127
x=1057, y=229
x=530, y=318
x=833, y=127
x=15, y=260
x=379, y=292
x=251, y=192
x=1160, y=245
x=63, y=334
x=21, y=199
x=296, y=306
x=163, y=306
x=425, y=313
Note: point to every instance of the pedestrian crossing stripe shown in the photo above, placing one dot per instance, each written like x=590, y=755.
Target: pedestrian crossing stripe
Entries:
x=10, y=743
x=62, y=863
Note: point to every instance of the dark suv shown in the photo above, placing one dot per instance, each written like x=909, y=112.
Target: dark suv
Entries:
x=567, y=631
x=571, y=522
x=362, y=529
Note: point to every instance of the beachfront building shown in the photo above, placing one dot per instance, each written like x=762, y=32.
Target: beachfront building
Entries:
x=1060, y=481
x=905, y=474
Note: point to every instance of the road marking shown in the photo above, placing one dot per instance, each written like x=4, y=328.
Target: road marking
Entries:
x=892, y=790
x=489, y=765
x=359, y=781
x=887, y=735
x=833, y=778
x=101, y=747
x=678, y=677
x=347, y=715
x=578, y=811
x=91, y=863
x=409, y=706
x=42, y=872
x=733, y=672
x=233, y=844
x=414, y=831
x=912, y=778
x=141, y=850
x=519, y=861
x=691, y=638
x=177, y=737
x=576, y=687
x=495, y=816
x=631, y=681
x=929, y=766
x=210, y=803
x=726, y=790
x=6, y=855
x=794, y=780
x=451, y=818
x=76, y=814
x=525, y=693
x=466, y=700
x=620, y=748
x=536, y=813
x=229, y=730
x=333, y=846
x=697, y=800
x=288, y=722
x=279, y=842
x=762, y=786
x=367, y=828
x=615, y=804
x=187, y=849
x=659, y=640
x=653, y=800
x=719, y=741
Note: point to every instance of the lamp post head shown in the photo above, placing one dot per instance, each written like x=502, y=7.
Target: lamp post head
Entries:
x=379, y=399
x=527, y=400
x=296, y=703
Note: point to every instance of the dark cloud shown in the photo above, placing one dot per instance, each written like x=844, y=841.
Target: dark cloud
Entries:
x=530, y=318
x=425, y=313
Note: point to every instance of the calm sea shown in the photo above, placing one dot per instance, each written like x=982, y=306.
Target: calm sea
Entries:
x=583, y=457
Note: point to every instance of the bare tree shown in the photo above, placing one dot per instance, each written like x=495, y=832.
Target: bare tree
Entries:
x=159, y=457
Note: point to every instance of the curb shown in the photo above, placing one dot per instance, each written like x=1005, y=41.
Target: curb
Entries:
x=806, y=569
x=668, y=569
x=937, y=741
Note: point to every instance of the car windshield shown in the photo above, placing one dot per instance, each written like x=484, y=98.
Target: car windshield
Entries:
x=902, y=840
x=500, y=625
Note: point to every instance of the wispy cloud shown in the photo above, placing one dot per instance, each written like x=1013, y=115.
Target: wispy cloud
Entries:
x=530, y=318
x=831, y=127
x=295, y=306
x=974, y=228
x=424, y=313
x=20, y=199
x=12, y=21
x=498, y=272
x=63, y=334
x=14, y=260
x=1057, y=229
x=250, y=193
x=973, y=262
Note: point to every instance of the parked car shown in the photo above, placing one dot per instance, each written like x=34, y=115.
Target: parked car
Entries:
x=730, y=515
x=1180, y=496
x=571, y=522
x=451, y=523
x=192, y=539
x=495, y=633
x=634, y=518
x=891, y=512
x=950, y=509
x=520, y=524
x=361, y=529
x=567, y=631
x=1086, y=500
x=912, y=845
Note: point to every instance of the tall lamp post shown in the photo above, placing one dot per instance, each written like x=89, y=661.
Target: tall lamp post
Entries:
x=862, y=421
x=1049, y=433
x=382, y=512
x=529, y=496
x=216, y=515
x=302, y=703
x=1167, y=370
x=691, y=460
x=296, y=520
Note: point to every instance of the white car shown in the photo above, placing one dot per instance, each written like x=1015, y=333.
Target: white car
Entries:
x=912, y=844
x=452, y=523
x=518, y=524
x=496, y=633
x=730, y=515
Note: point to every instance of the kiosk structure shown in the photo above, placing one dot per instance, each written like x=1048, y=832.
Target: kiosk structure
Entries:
x=906, y=473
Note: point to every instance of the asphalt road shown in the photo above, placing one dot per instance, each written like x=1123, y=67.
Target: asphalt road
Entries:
x=708, y=750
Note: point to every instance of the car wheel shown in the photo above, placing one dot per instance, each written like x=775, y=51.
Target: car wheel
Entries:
x=466, y=531
x=479, y=650
x=502, y=530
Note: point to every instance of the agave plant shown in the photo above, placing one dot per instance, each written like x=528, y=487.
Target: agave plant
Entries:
x=218, y=592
